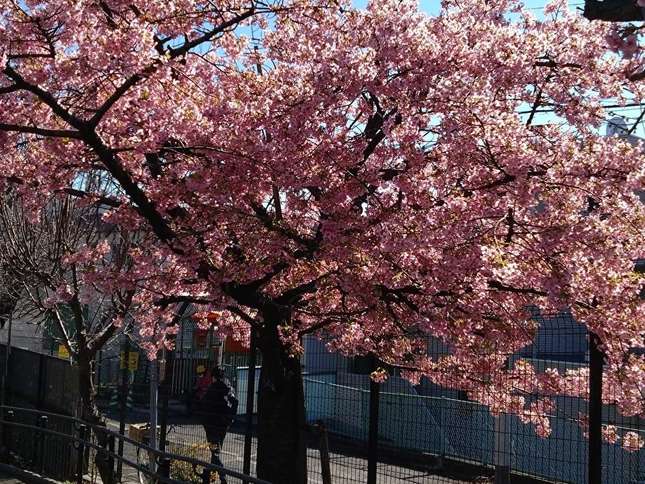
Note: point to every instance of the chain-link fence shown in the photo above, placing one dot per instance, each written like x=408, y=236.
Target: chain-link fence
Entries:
x=425, y=433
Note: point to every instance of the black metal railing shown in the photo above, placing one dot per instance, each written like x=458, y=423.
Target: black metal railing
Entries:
x=77, y=443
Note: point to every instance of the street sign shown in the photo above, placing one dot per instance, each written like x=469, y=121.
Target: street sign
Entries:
x=63, y=352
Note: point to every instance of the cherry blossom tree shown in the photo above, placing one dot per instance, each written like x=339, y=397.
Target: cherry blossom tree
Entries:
x=375, y=176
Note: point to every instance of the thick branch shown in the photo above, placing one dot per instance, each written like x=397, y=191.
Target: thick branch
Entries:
x=111, y=202
x=45, y=97
x=52, y=133
x=168, y=300
x=498, y=286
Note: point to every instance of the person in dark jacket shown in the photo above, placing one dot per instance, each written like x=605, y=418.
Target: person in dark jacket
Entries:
x=215, y=412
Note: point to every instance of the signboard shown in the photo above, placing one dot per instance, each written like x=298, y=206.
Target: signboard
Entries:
x=133, y=360
x=62, y=352
x=233, y=346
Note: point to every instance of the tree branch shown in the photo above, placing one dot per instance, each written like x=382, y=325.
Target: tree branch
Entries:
x=52, y=133
x=45, y=97
x=152, y=68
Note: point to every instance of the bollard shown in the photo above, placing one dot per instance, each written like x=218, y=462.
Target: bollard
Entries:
x=80, y=453
x=42, y=423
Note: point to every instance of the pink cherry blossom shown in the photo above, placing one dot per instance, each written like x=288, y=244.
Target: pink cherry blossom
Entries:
x=373, y=177
x=632, y=441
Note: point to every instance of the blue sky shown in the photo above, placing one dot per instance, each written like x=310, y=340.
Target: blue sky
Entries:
x=432, y=6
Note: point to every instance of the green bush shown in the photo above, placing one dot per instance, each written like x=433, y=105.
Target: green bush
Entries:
x=183, y=471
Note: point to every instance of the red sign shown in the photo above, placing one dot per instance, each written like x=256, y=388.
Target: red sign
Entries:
x=232, y=346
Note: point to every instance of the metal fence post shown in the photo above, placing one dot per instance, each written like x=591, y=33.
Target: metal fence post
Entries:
x=110, y=459
x=42, y=382
x=123, y=404
x=595, y=410
x=206, y=476
x=323, y=446
x=164, y=394
x=42, y=423
x=372, y=439
x=164, y=467
x=7, y=361
x=80, y=454
x=250, y=398
x=442, y=425
x=502, y=451
x=6, y=434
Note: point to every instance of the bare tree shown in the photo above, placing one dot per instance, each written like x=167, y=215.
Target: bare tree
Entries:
x=53, y=261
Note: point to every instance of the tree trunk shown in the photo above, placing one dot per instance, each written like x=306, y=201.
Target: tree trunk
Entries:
x=91, y=415
x=282, y=451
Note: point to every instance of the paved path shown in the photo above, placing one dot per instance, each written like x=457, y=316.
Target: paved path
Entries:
x=9, y=480
x=189, y=440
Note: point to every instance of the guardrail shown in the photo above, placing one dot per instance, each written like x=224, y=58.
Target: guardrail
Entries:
x=82, y=440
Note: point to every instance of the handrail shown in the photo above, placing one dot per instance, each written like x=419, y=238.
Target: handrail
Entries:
x=86, y=443
x=165, y=455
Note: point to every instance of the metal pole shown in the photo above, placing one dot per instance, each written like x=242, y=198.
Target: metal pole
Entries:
x=595, y=410
x=165, y=388
x=98, y=371
x=80, y=454
x=181, y=356
x=5, y=380
x=250, y=397
x=124, y=398
x=502, y=452
x=154, y=388
x=7, y=355
x=372, y=439
x=42, y=379
x=323, y=446
x=42, y=423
